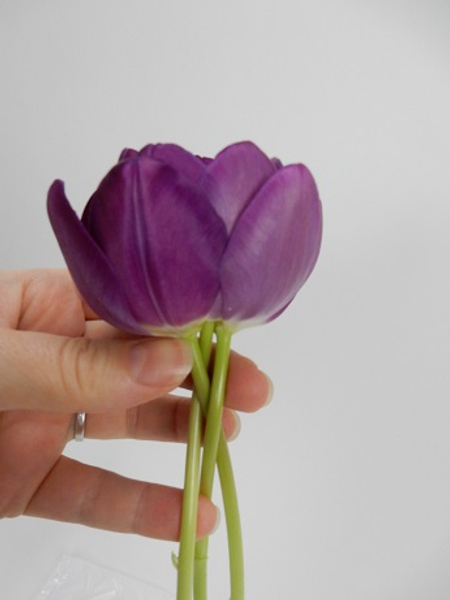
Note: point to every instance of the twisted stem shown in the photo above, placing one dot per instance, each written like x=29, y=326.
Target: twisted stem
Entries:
x=208, y=401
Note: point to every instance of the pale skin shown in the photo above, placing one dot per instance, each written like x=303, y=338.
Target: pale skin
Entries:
x=56, y=359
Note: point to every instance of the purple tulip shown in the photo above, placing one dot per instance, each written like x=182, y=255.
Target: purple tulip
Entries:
x=170, y=239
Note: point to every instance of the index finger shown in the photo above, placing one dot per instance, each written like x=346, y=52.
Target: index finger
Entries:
x=248, y=388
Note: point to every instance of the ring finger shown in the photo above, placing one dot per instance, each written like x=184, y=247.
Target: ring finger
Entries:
x=165, y=419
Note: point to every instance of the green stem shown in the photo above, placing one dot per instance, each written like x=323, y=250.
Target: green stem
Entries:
x=188, y=530
x=215, y=411
x=200, y=374
x=233, y=521
x=216, y=449
x=210, y=448
x=206, y=337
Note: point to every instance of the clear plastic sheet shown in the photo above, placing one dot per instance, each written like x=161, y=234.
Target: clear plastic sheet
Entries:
x=78, y=579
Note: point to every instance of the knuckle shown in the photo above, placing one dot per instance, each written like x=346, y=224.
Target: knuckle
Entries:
x=132, y=422
x=76, y=359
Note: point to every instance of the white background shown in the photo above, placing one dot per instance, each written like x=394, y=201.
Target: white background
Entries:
x=345, y=479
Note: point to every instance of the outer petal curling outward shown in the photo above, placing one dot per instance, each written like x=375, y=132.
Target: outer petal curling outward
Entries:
x=163, y=238
x=234, y=177
x=89, y=267
x=273, y=248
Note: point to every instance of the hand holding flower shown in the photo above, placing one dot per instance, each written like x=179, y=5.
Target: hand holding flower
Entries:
x=56, y=358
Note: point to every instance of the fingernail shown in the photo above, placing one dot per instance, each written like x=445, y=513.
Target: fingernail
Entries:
x=269, y=391
x=218, y=520
x=237, y=426
x=160, y=362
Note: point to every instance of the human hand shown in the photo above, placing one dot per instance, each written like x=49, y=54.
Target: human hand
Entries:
x=56, y=359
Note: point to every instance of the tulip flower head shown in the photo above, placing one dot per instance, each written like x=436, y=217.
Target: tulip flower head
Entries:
x=170, y=240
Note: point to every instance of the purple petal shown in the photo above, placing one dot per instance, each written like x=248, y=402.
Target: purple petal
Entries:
x=273, y=247
x=277, y=163
x=128, y=153
x=162, y=236
x=233, y=178
x=182, y=161
x=89, y=267
x=205, y=159
x=109, y=219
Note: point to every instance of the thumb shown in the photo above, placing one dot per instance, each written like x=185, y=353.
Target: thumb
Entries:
x=40, y=371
